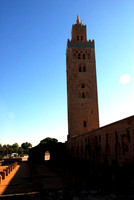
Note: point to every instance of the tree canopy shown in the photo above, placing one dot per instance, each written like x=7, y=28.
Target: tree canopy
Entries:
x=26, y=145
x=15, y=148
x=49, y=140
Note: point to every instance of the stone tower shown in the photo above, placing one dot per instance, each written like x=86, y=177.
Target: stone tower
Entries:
x=81, y=83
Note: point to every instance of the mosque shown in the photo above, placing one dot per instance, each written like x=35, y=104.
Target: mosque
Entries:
x=86, y=140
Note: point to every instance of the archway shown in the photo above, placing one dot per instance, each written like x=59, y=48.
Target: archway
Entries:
x=47, y=156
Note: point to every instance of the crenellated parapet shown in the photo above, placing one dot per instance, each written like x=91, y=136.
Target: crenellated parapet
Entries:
x=89, y=44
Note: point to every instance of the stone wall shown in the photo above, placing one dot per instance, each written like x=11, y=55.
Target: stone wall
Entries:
x=113, y=143
x=57, y=152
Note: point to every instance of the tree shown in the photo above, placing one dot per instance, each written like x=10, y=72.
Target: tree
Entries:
x=6, y=148
x=20, y=151
x=1, y=151
x=1, y=148
x=15, y=147
x=26, y=146
x=49, y=140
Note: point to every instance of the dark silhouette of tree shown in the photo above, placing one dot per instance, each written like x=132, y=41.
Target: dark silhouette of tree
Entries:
x=26, y=146
x=15, y=148
x=49, y=140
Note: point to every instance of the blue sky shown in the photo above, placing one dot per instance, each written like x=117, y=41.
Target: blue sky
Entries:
x=33, y=38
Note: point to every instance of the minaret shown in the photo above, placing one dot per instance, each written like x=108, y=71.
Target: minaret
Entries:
x=81, y=83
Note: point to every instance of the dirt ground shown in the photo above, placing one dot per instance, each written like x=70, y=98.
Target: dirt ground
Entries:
x=27, y=178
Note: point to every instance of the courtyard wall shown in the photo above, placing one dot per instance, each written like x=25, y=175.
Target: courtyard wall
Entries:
x=113, y=143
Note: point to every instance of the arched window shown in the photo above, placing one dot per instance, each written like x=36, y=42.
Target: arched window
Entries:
x=79, y=69
x=81, y=37
x=77, y=37
x=83, y=95
x=47, y=156
x=84, y=56
x=78, y=55
x=84, y=123
x=82, y=86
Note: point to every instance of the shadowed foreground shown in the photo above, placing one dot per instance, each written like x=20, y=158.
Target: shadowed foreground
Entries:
x=49, y=181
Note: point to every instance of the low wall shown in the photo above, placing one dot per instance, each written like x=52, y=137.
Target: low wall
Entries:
x=11, y=160
x=113, y=143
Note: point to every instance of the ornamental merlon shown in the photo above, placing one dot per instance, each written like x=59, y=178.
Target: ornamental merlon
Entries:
x=89, y=44
x=79, y=26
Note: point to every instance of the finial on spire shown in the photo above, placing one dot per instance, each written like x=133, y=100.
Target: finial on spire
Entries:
x=78, y=20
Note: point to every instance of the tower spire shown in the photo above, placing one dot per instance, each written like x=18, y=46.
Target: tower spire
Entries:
x=78, y=20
